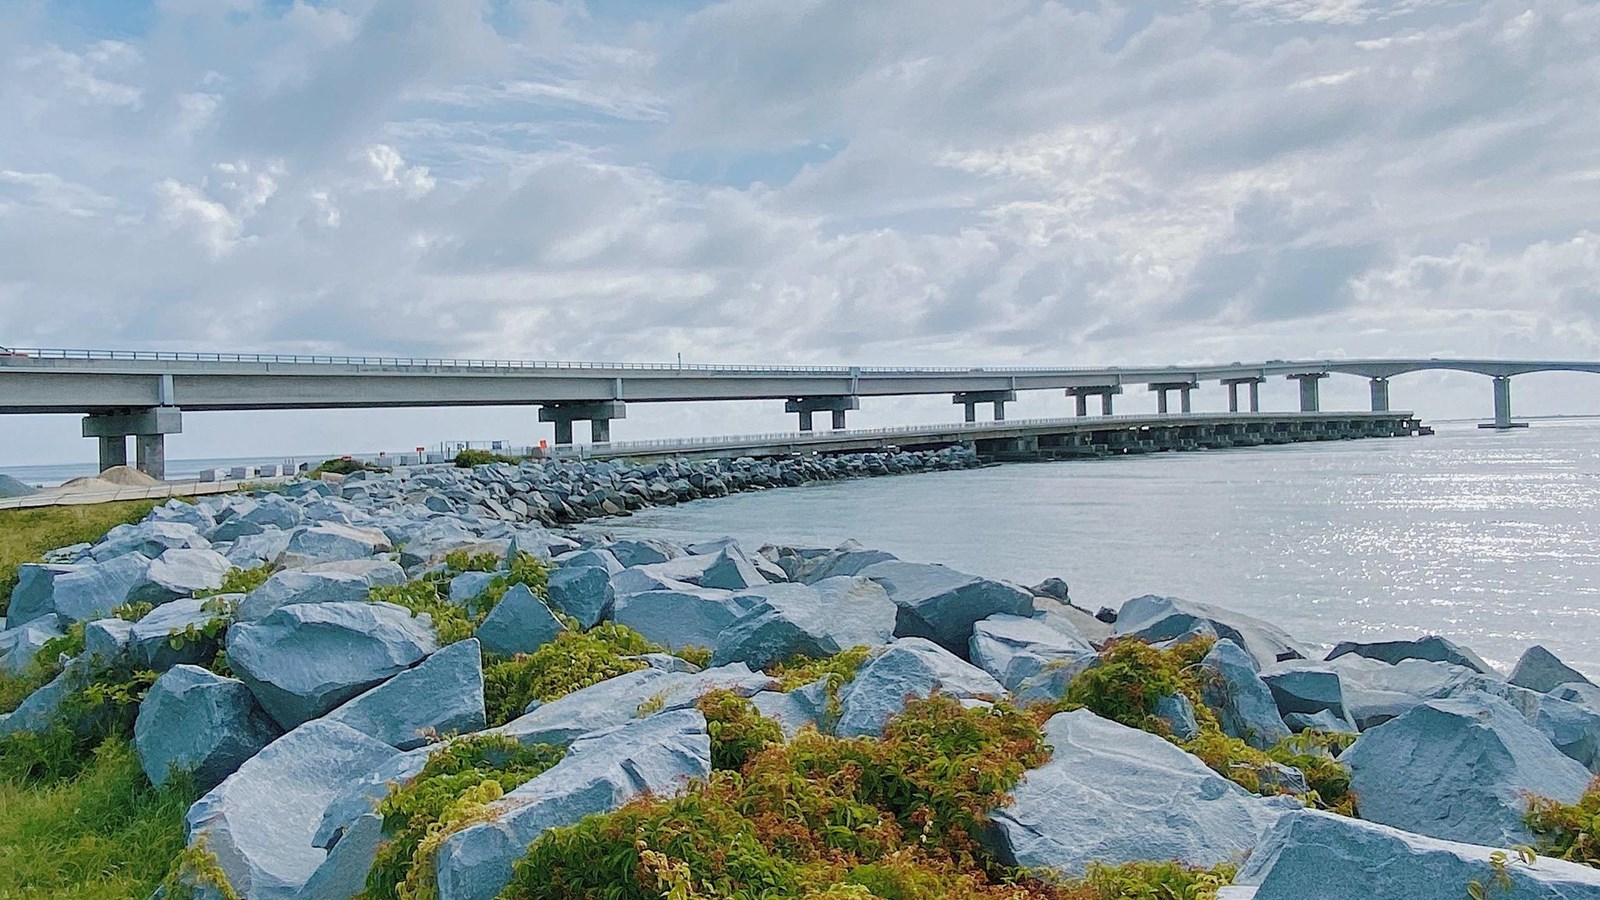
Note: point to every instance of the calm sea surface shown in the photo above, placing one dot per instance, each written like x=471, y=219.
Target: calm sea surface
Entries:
x=1490, y=538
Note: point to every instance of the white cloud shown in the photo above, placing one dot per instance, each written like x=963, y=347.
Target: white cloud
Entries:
x=823, y=181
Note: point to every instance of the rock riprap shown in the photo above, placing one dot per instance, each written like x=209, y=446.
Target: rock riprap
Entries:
x=303, y=661
x=600, y=772
x=943, y=605
x=1310, y=855
x=1114, y=794
x=197, y=723
x=1460, y=770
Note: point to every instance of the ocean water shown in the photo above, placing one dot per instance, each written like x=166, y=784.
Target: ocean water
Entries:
x=1492, y=539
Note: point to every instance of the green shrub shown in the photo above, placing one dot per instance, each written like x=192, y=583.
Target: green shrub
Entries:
x=839, y=669
x=1132, y=677
x=456, y=622
x=466, y=459
x=343, y=465
x=573, y=661
x=738, y=730
x=1148, y=881
x=699, y=656
x=457, y=782
x=240, y=581
x=458, y=561
x=103, y=834
x=1568, y=831
x=819, y=816
x=102, y=705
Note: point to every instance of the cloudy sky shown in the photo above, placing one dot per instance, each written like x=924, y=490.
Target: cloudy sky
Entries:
x=831, y=181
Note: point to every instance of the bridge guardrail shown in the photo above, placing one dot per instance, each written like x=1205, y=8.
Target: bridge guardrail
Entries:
x=429, y=362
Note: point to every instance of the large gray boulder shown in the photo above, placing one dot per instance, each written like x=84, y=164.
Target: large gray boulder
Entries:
x=260, y=820
x=149, y=538
x=1152, y=618
x=583, y=592
x=643, y=552
x=688, y=617
x=600, y=772
x=184, y=573
x=200, y=723
x=1459, y=769
x=272, y=511
x=362, y=795
x=305, y=660
x=1312, y=855
x=812, y=621
x=335, y=582
x=909, y=667
x=1430, y=648
x=1307, y=690
x=1114, y=794
x=20, y=646
x=332, y=541
x=343, y=874
x=941, y=604
x=804, y=706
x=519, y=623
x=176, y=634
x=1035, y=657
x=1539, y=670
x=92, y=590
x=1573, y=728
x=34, y=595
x=441, y=696
x=1376, y=691
x=1243, y=703
x=39, y=711
x=106, y=640
x=251, y=550
x=849, y=558
x=619, y=700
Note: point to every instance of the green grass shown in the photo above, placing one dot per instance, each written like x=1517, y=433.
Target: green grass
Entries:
x=26, y=534
x=104, y=834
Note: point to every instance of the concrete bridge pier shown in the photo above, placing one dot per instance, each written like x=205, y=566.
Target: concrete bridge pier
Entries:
x=1233, y=392
x=1310, y=396
x=1502, y=406
x=1380, y=395
x=598, y=414
x=805, y=406
x=971, y=399
x=1161, y=389
x=1104, y=391
x=149, y=427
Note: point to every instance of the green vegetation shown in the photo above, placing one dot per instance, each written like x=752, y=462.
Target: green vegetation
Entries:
x=343, y=465
x=456, y=622
x=699, y=656
x=840, y=669
x=240, y=581
x=1133, y=676
x=820, y=816
x=1570, y=832
x=466, y=459
x=738, y=731
x=454, y=786
x=26, y=534
x=573, y=661
x=1148, y=881
x=105, y=834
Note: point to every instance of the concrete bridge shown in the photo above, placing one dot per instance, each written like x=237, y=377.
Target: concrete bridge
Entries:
x=141, y=394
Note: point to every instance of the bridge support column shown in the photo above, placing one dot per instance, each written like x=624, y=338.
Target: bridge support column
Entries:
x=149, y=426
x=1104, y=391
x=1380, y=395
x=1161, y=389
x=1310, y=396
x=1233, y=392
x=1502, y=406
x=971, y=399
x=805, y=406
x=113, y=452
x=598, y=413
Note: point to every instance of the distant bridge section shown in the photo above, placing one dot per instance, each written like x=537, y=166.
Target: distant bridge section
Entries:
x=142, y=394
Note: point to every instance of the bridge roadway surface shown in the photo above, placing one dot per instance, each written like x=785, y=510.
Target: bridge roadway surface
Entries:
x=142, y=394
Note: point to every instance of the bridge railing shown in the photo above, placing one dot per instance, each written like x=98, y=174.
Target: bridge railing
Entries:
x=441, y=363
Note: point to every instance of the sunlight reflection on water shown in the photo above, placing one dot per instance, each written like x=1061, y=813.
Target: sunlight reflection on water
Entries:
x=1489, y=538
